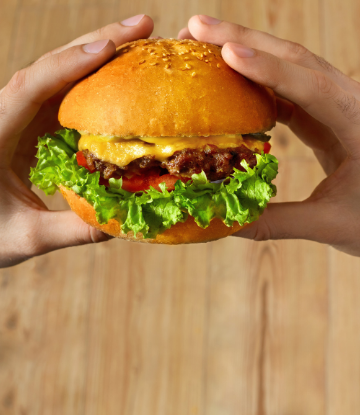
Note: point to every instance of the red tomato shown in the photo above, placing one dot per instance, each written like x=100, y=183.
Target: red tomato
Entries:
x=143, y=182
x=267, y=147
x=168, y=179
x=135, y=183
x=81, y=160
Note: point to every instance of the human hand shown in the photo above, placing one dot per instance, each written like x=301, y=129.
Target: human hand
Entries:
x=29, y=105
x=321, y=106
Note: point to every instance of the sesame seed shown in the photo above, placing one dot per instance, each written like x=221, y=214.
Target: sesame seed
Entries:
x=205, y=53
x=206, y=60
x=210, y=51
x=167, y=66
x=193, y=74
x=187, y=66
x=153, y=63
x=204, y=46
x=132, y=46
x=186, y=59
x=201, y=55
x=152, y=53
x=165, y=59
x=218, y=65
x=142, y=61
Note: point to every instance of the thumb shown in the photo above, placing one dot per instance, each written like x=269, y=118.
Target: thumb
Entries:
x=293, y=220
x=62, y=229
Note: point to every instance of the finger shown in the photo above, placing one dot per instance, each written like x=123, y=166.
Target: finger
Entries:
x=140, y=26
x=57, y=230
x=208, y=29
x=320, y=138
x=185, y=34
x=293, y=220
x=29, y=88
x=317, y=94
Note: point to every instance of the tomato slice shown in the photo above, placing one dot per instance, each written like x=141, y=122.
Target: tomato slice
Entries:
x=81, y=160
x=135, y=183
x=143, y=182
x=168, y=179
x=267, y=147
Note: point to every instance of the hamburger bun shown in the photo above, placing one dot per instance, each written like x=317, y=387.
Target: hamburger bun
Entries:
x=165, y=88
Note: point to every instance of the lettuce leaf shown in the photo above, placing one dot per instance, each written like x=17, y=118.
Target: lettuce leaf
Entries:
x=240, y=198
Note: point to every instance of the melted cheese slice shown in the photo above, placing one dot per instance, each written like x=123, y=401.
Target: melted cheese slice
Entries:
x=122, y=151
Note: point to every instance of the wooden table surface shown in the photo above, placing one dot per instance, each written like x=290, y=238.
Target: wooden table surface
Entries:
x=225, y=328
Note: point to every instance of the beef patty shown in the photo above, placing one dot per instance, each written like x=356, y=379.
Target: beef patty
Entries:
x=217, y=163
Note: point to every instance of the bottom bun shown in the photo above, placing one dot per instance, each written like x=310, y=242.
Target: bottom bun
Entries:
x=182, y=233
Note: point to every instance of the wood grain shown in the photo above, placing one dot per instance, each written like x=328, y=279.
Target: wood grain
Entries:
x=226, y=328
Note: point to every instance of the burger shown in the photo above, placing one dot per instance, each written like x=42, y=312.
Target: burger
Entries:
x=164, y=144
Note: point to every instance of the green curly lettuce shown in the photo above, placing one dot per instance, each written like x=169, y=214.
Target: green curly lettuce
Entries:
x=240, y=198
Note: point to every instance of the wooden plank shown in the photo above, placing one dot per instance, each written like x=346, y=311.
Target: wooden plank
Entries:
x=8, y=20
x=344, y=335
x=147, y=329
x=340, y=34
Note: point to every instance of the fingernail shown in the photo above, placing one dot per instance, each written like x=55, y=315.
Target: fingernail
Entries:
x=209, y=20
x=242, y=51
x=95, y=47
x=132, y=21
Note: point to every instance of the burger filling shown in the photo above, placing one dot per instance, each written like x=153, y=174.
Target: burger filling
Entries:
x=217, y=158
x=154, y=183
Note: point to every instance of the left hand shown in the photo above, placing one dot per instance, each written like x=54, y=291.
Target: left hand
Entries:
x=321, y=106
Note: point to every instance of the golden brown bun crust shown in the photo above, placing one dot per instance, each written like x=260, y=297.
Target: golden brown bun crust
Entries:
x=181, y=233
x=168, y=87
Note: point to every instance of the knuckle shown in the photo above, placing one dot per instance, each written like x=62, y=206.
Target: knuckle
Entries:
x=18, y=82
x=324, y=64
x=100, y=33
x=296, y=50
x=349, y=107
x=242, y=31
x=322, y=84
x=262, y=233
x=46, y=55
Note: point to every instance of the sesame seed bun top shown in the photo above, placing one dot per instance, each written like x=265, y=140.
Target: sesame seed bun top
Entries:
x=167, y=87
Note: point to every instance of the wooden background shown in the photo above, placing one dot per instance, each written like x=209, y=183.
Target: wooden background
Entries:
x=225, y=328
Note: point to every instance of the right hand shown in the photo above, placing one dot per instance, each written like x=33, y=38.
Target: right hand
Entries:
x=29, y=105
